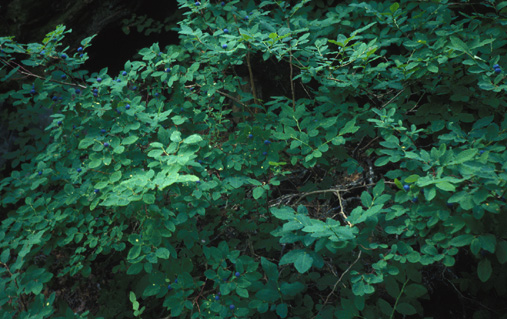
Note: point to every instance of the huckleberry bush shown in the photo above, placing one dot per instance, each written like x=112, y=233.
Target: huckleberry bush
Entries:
x=372, y=166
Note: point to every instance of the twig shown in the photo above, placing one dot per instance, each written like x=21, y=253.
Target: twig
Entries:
x=232, y=98
x=339, y=280
x=291, y=76
x=250, y=72
x=342, y=213
x=394, y=97
x=398, y=299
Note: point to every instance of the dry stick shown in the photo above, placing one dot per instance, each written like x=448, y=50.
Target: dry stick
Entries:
x=342, y=213
x=291, y=75
x=329, y=191
x=339, y=280
x=232, y=98
x=26, y=72
x=252, y=84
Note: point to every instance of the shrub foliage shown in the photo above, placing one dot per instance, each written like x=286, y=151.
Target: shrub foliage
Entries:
x=285, y=160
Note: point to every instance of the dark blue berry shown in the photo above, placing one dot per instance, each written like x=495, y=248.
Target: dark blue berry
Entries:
x=496, y=66
x=124, y=73
x=32, y=91
x=42, y=52
x=237, y=274
x=414, y=200
x=79, y=49
x=406, y=187
x=217, y=297
x=64, y=56
x=79, y=170
x=40, y=173
x=167, y=70
x=481, y=152
x=226, y=31
x=176, y=280
x=498, y=70
x=169, y=287
x=264, y=153
x=222, y=3
x=96, y=190
x=78, y=91
x=232, y=307
x=63, y=76
x=246, y=18
x=103, y=131
x=250, y=135
x=224, y=46
x=198, y=182
x=95, y=90
x=267, y=142
x=99, y=80
x=118, y=80
x=55, y=98
x=59, y=122
x=106, y=144
x=197, y=3
x=127, y=106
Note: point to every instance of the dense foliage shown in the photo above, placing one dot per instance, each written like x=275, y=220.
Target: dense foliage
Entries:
x=303, y=160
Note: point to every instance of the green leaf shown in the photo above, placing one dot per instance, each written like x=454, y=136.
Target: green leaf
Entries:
x=116, y=176
x=176, y=136
x=85, y=143
x=192, y=139
x=162, y=253
x=349, y=127
x=95, y=163
x=268, y=295
x=415, y=290
x=445, y=186
x=149, y=198
x=242, y=292
x=501, y=252
x=270, y=269
x=282, y=310
x=258, y=192
x=134, y=252
x=130, y=140
x=464, y=156
x=459, y=45
x=292, y=289
x=406, y=309
x=488, y=242
x=461, y=240
x=366, y=199
x=4, y=257
x=303, y=262
x=484, y=270
x=284, y=213
x=394, y=7
x=385, y=307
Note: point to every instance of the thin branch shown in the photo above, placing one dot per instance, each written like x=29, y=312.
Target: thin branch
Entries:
x=232, y=98
x=342, y=213
x=339, y=280
x=250, y=72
